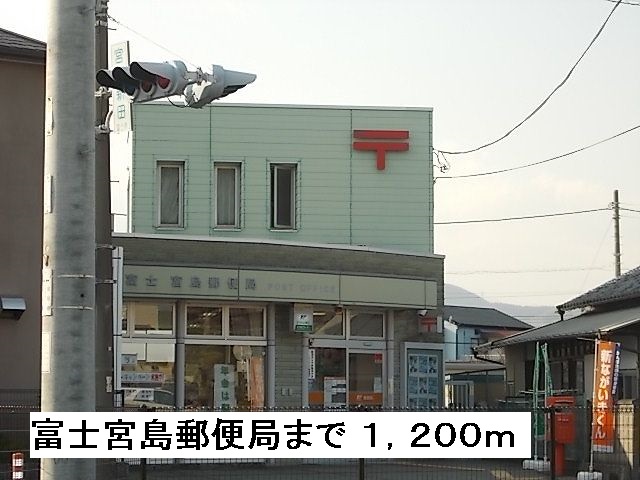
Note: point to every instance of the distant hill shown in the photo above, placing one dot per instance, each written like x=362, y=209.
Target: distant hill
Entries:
x=534, y=316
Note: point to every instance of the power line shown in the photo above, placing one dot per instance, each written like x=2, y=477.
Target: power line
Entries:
x=546, y=270
x=629, y=210
x=178, y=56
x=548, y=96
x=506, y=219
x=625, y=3
x=516, y=295
x=563, y=155
x=604, y=237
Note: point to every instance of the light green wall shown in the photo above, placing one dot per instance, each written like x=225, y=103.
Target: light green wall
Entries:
x=342, y=197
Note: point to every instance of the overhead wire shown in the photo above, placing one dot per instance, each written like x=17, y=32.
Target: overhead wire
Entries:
x=178, y=56
x=629, y=209
x=525, y=217
x=563, y=155
x=516, y=295
x=564, y=80
x=541, y=270
x=625, y=3
x=595, y=258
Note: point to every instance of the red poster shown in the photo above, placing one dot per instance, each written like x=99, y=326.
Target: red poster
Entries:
x=606, y=365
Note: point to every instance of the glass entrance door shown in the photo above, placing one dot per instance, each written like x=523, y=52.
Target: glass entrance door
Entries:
x=366, y=378
x=328, y=378
x=342, y=377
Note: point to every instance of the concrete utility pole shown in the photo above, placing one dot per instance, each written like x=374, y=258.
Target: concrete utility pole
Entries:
x=616, y=231
x=68, y=276
x=104, y=291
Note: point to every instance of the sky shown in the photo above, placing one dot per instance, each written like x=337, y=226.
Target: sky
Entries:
x=482, y=65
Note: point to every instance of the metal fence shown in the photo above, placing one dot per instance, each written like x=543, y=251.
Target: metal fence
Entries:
x=555, y=460
x=15, y=406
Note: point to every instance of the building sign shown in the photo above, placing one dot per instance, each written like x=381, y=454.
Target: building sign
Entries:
x=429, y=322
x=302, y=317
x=129, y=358
x=121, y=102
x=382, y=143
x=606, y=364
x=224, y=386
x=142, y=377
x=270, y=285
x=312, y=364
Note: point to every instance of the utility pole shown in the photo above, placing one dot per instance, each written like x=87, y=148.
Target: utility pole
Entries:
x=104, y=375
x=616, y=232
x=104, y=281
x=68, y=274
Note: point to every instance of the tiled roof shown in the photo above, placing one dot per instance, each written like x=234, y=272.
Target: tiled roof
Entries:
x=482, y=317
x=624, y=287
x=16, y=45
x=587, y=325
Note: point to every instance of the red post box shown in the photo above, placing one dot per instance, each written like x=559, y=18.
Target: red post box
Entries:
x=564, y=419
x=564, y=428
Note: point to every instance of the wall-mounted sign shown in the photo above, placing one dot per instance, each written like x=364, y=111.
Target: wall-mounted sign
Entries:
x=129, y=358
x=302, y=317
x=429, y=322
x=381, y=147
x=270, y=285
x=142, y=377
x=312, y=364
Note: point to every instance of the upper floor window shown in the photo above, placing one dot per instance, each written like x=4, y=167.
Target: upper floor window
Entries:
x=170, y=193
x=227, y=203
x=283, y=196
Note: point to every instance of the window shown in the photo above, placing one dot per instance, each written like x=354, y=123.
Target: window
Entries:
x=328, y=321
x=226, y=321
x=283, y=196
x=148, y=318
x=246, y=322
x=204, y=320
x=224, y=376
x=227, y=195
x=170, y=186
x=366, y=324
x=628, y=384
x=147, y=374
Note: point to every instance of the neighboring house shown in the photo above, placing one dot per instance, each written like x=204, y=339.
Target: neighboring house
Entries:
x=610, y=311
x=280, y=256
x=22, y=86
x=471, y=380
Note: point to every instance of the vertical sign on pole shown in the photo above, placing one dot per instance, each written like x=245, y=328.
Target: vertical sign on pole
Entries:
x=606, y=365
x=121, y=102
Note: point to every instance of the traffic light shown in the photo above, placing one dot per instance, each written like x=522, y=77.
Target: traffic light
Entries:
x=146, y=81
x=220, y=84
